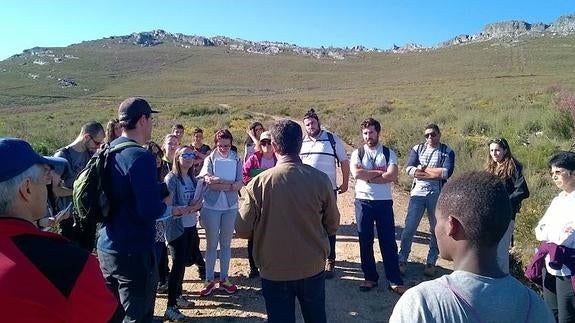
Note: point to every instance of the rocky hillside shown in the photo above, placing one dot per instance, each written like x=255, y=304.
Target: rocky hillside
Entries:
x=512, y=30
x=505, y=31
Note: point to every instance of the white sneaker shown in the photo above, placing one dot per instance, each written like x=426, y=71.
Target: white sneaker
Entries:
x=182, y=302
x=172, y=314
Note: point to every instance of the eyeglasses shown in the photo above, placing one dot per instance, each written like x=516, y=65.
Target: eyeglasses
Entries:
x=259, y=129
x=224, y=146
x=188, y=155
x=97, y=143
x=559, y=172
x=265, y=142
x=431, y=134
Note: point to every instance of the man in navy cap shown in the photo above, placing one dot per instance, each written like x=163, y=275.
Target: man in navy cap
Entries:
x=43, y=276
x=126, y=242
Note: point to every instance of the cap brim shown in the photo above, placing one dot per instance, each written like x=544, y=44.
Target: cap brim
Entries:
x=58, y=164
x=155, y=111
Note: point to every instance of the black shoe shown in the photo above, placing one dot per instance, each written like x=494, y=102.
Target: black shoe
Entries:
x=202, y=273
x=329, y=269
x=254, y=273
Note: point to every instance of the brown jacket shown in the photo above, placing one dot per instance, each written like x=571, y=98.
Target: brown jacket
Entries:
x=289, y=210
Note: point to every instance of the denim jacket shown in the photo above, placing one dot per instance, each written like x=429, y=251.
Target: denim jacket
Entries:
x=174, y=225
x=210, y=196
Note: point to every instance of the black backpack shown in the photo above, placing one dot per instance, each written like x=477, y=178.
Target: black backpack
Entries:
x=361, y=152
x=91, y=203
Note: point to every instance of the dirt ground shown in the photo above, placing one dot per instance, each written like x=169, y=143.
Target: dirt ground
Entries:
x=344, y=301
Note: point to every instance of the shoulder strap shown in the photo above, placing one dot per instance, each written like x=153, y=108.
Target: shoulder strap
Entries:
x=385, y=154
x=124, y=145
x=360, y=152
x=420, y=148
x=332, y=143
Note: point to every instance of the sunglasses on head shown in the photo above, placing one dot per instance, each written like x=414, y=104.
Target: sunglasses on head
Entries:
x=431, y=134
x=265, y=142
x=188, y=155
x=500, y=141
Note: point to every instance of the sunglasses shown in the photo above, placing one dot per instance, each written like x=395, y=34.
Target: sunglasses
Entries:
x=500, y=141
x=265, y=142
x=97, y=143
x=188, y=155
x=431, y=134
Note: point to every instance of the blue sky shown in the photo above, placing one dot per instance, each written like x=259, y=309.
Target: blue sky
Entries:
x=379, y=24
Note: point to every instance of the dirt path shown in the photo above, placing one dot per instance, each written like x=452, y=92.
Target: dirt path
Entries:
x=344, y=301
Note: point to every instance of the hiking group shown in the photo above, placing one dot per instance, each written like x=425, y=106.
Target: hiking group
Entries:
x=137, y=205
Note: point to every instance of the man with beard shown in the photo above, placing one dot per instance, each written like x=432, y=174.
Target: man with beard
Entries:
x=324, y=150
x=78, y=153
x=430, y=164
x=374, y=167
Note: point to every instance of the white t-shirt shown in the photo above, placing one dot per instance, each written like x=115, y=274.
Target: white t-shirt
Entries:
x=373, y=159
x=318, y=153
x=481, y=299
x=558, y=226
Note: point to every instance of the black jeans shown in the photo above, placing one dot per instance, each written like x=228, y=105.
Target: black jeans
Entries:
x=559, y=296
x=133, y=279
x=179, y=250
x=253, y=267
x=280, y=299
x=195, y=256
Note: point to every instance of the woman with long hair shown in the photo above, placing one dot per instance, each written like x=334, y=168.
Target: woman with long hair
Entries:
x=171, y=144
x=181, y=232
x=251, y=144
x=501, y=163
x=113, y=130
x=222, y=173
x=160, y=239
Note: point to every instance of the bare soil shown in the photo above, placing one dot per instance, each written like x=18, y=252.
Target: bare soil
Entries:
x=344, y=301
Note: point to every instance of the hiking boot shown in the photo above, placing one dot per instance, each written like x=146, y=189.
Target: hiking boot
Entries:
x=402, y=267
x=162, y=288
x=182, y=302
x=209, y=287
x=329, y=269
x=228, y=287
x=429, y=270
x=173, y=314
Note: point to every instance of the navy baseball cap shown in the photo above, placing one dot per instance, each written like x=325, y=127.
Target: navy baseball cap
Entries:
x=17, y=156
x=133, y=108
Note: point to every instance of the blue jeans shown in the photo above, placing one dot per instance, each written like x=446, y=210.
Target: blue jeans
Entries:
x=133, y=279
x=417, y=205
x=280, y=299
x=219, y=226
x=379, y=212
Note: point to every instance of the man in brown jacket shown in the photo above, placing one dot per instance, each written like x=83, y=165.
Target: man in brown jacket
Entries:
x=289, y=211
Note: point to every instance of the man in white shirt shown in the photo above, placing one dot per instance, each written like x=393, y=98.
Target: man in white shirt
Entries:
x=324, y=150
x=374, y=167
x=473, y=213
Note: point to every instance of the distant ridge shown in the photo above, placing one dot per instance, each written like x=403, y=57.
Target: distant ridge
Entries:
x=504, y=31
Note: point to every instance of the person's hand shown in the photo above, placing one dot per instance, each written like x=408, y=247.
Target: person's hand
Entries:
x=168, y=199
x=342, y=188
x=212, y=180
x=196, y=206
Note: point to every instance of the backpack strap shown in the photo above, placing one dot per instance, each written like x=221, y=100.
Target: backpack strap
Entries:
x=332, y=143
x=386, y=153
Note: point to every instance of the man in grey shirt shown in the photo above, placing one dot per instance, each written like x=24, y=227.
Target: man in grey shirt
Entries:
x=473, y=213
x=78, y=153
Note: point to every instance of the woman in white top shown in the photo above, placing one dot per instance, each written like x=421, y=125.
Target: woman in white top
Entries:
x=222, y=173
x=558, y=227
